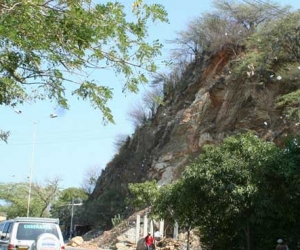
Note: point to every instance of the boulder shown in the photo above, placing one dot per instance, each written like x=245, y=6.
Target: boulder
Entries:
x=76, y=241
x=141, y=244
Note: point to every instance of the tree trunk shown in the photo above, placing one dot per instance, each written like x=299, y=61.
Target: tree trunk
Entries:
x=188, y=240
x=248, y=237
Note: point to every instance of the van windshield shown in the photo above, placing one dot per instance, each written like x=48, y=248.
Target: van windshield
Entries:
x=30, y=231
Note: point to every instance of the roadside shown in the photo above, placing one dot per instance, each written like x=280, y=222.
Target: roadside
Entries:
x=122, y=237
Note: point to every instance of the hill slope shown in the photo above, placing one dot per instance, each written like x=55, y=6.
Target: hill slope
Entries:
x=209, y=105
x=231, y=87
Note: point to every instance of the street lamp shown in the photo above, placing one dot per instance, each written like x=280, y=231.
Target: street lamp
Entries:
x=32, y=162
x=18, y=111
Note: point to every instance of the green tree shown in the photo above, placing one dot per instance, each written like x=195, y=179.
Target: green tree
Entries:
x=15, y=195
x=283, y=184
x=274, y=55
x=274, y=45
x=250, y=14
x=227, y=177
x=227, y=27
x=242, y=194
x=45, y=46
x=61, y=207
x=173, y=205
x=143, y=194
x=45, y=195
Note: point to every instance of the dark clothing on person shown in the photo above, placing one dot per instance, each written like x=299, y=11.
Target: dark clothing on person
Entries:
x=281, y=247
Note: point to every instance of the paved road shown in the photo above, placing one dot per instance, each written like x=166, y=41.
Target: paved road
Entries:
x=74, y=248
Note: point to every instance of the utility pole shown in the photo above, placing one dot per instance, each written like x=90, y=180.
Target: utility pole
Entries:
x=71, y=223
x=72, y=215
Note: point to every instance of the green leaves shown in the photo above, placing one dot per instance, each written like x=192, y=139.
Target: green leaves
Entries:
x=16, y=197
x=241, y=193
x=44, y=44
x=11, y=92
x=274, y=47
x=61, y=207
x=144, y=194
x=98, y=96
x=291, y=104
x=4, y=135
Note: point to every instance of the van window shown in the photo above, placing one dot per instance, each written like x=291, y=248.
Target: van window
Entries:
x=6, y=231
x=30, y=231
x=1, y=227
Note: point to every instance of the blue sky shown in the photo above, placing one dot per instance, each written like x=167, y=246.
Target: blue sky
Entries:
x=76, y=140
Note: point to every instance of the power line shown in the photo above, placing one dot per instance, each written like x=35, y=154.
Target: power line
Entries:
x=58, y=141
x=267, y=5
x=275, y=8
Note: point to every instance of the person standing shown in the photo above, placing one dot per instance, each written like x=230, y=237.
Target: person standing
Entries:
x=281, y=245
x=157, y=235
x=157, y=238
x=149, y=241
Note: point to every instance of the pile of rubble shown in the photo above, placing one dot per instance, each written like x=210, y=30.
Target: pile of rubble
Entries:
x=122, y=237
x=109, y=242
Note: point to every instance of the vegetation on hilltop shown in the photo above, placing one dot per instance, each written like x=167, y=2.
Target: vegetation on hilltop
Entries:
x=261, y=37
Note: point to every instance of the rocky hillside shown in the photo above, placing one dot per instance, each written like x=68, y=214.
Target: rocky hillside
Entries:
x=246, y=79
x=209, y=103
x=231, y=87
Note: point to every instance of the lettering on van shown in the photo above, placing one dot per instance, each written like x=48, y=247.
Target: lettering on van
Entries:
x=37, y=226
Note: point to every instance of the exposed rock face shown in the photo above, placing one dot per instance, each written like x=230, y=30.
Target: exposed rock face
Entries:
x=209, y=103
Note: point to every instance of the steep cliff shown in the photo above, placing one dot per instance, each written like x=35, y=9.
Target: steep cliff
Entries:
x=209, y=103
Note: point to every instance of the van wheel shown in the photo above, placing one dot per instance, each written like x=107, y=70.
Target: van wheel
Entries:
x=47, y=241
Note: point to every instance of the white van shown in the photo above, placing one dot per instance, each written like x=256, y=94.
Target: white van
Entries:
x=31, y=233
